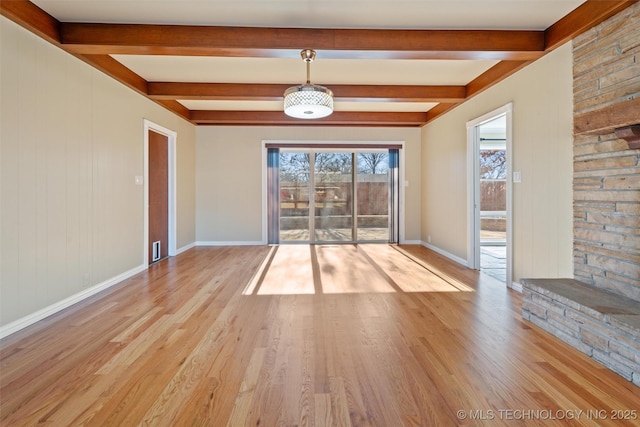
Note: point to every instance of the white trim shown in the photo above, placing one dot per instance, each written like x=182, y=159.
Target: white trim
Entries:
x=32, y=318
x=329, y=141
x=492, y=213
x=238, y=243
x=446, y=254
x=473, y=245
x=516, y=286
x=411, y=242
x=509, y=114
x=186, y=248
x=172, y=138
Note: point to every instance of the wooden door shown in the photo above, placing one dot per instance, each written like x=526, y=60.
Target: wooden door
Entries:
x=158, y=196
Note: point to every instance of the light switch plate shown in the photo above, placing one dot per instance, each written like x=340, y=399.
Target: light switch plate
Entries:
x=517, y=176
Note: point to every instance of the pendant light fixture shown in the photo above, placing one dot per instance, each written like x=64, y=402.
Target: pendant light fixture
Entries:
x=308, y=101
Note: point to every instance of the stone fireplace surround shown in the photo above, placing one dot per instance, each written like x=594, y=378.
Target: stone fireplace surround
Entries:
x=598, y=311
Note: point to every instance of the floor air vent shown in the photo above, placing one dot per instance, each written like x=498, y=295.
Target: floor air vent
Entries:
x=156, y=251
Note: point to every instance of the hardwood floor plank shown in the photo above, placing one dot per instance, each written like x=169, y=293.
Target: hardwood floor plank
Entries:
x=329, y=335
x=407, y=275
x=298, y=281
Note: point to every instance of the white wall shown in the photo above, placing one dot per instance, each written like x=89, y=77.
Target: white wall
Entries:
x=229, y=176
x=71, y=145
x=542, y=99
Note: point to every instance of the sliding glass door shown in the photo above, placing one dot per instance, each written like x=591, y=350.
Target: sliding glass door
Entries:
x=295, y=197
x=373, y=203
x=332, y=196
x=333, y=179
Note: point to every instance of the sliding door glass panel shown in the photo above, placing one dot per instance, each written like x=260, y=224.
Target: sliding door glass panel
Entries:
x=294, y=197
x=373, y=196
x=333, y=173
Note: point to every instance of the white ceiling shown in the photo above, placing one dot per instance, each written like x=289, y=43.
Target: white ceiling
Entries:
x=390, y=14
x=362, y=14
x=293, y=71
x=289, y=70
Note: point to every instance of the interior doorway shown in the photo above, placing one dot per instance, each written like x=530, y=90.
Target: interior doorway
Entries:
x=490, y=194
x=159, y=193
x=158, y=196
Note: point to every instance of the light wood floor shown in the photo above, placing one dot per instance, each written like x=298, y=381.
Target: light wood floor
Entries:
x=298, y=335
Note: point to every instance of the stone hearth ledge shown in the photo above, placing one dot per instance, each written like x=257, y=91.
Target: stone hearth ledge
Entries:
x=601, y=324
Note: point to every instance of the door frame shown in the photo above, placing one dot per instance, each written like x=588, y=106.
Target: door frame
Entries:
x=473, y=188
x=171, y=139
x=339, y=145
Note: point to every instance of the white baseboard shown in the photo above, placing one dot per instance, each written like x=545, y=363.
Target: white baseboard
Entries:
x=446, y=254
x=32, y=318
x=411, y=242
x=240, y=243
x=516, y=286
x=186, y=248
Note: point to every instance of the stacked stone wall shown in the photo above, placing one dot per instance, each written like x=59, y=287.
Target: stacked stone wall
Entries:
x=606, y=172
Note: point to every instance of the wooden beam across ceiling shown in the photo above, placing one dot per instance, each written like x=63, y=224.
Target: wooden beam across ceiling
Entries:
x=586, y=16
x=95, y=42
x=273, y=92
x=287, y=42
x=338, y=118
x=31, y=17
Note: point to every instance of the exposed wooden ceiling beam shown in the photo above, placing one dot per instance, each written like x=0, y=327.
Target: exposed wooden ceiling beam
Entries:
x=245, y=91
x=96, y=38
x=32, y=18
x=440, y=109
x=587, y=15
x=176, y=107
x=493, y=75
x=115, y=69
x=93, y=43
x=287, y=42
x=338, y=118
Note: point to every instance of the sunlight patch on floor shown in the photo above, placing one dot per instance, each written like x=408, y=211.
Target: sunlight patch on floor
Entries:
x=290, y=272
x=346, y=269
x=448, y=279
